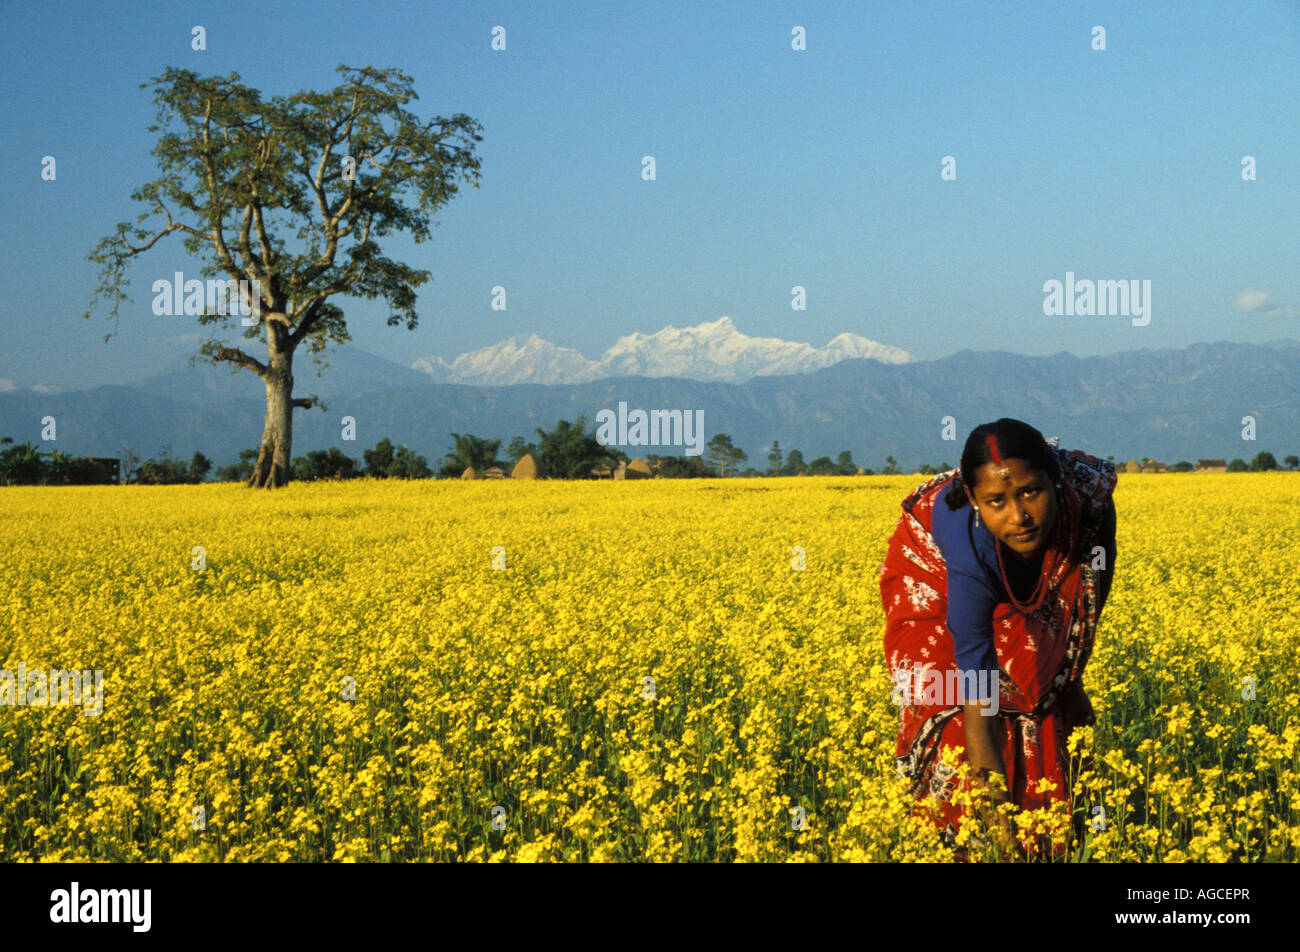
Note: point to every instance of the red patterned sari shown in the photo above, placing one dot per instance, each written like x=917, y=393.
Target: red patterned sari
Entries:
x=1041, y=654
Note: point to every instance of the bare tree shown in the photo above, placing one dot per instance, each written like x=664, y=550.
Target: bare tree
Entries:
x=329, y=169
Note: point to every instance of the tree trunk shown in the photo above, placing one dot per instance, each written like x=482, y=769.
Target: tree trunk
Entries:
x=272, y=468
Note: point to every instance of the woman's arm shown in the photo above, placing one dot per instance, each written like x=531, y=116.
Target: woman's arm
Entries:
x=970, y=623
x=1107, y=539
x=984, y=737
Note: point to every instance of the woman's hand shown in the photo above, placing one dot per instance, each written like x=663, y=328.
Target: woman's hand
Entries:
x=1004, y=829
x=994, y=820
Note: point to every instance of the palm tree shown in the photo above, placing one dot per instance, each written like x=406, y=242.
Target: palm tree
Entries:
x=469, y=450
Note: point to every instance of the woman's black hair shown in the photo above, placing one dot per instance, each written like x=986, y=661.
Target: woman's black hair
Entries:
x=1014, y=439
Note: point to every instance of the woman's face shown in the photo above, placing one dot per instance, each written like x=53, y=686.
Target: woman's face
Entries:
x=1014, y=499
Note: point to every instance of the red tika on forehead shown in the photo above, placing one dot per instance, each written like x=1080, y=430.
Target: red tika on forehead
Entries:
x=993, y=448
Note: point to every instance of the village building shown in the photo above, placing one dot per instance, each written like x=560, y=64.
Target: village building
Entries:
x=105, y=469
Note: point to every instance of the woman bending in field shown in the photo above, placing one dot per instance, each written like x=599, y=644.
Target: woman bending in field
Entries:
x=989, y=581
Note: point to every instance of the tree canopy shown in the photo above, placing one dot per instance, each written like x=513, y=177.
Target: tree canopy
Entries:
x=571, y=452
x=287, y=197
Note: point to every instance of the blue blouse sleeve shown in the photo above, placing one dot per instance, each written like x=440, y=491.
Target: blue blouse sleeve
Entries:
x=972, y=596
x=970, y=621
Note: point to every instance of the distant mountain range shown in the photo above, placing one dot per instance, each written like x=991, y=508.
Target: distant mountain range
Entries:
x=1167, y=404
x=711, y=351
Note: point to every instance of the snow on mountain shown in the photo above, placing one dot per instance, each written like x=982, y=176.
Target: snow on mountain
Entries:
x=851, y=346
x=712, y=351
x=435, y=367
x=514, y=360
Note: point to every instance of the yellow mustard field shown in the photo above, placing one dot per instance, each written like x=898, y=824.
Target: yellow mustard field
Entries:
x=603, y=671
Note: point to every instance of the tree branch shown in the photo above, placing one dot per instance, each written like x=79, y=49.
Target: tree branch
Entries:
x=251, y=264
x=236, y=356
x=218, y=211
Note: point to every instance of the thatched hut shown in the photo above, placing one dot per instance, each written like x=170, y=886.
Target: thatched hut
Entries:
x=494, y=472
x=469, y=473
x=1211, y=466
x=639, y=468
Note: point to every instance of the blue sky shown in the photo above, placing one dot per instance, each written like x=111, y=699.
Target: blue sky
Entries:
x=775, y=168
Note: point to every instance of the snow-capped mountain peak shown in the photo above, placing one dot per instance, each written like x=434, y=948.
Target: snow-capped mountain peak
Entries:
x=714, y=350
x=516, y=359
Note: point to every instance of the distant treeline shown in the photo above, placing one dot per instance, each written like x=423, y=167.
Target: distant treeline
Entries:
x=566, y=452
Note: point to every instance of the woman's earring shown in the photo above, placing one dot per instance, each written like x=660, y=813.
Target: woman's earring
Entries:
x=977, y=516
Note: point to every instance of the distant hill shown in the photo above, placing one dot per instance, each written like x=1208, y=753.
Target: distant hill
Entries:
x=350, y=371
x=1165, y=404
